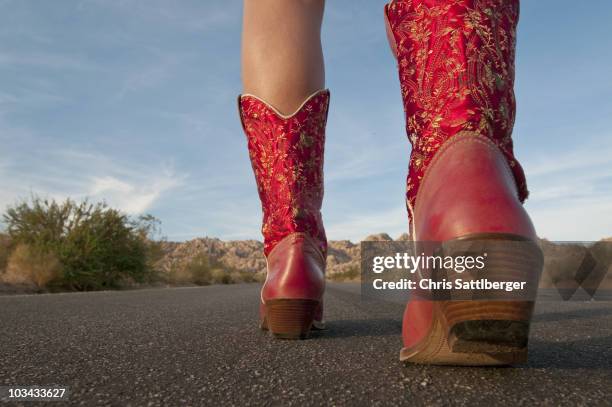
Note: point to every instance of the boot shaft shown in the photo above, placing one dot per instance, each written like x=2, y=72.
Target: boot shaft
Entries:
x=286, y=154
x=456, y=69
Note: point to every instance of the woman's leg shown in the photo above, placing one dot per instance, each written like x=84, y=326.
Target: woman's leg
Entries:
x=282, y=59
x=283, y=113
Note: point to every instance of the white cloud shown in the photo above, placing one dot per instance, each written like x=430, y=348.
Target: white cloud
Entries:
x=132, y=188
x=128, y=197
x=574, y=220
x=135, y=196
x=571, y=195
x=593, y=155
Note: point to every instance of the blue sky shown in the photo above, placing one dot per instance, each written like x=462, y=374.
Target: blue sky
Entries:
x=134, y=102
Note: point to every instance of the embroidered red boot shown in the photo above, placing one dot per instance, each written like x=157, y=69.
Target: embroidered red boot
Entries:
x=287, y=157
x=456, y=69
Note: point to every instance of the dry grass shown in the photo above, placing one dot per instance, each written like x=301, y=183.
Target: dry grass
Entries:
x=29, y=266
x=5, y=251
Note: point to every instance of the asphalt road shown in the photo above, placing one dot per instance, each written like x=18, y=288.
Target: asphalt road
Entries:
x=201, y=346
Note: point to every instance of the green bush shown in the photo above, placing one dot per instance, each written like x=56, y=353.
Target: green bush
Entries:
x=97, y=246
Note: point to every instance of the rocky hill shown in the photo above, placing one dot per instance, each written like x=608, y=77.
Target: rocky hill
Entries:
x=247, y=255
x=243, y=255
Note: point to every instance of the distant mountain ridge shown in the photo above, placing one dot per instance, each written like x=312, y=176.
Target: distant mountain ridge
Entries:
x=247, y=255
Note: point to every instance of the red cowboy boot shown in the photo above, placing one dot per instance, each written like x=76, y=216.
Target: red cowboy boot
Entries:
x=287, y=157
x=456, y=69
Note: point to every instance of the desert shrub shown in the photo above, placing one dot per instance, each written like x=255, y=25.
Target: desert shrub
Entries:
x=29, y=265
x=232, y=276
x=602, y=253
x=176, y=275
x=204, y=270
x=98, y=247
x=561, y=261
x=199, y=270
x=352, y=273
x=238, y=276
x=220, y=276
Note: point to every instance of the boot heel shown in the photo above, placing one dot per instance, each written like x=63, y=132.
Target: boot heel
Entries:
x=488, y=326
x=483, y=328
x=290, y=318
x=491, y=325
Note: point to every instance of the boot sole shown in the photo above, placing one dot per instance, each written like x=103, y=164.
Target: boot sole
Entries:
x=483, y=333
x=291, y=318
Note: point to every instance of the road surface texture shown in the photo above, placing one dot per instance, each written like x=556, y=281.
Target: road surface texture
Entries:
x=201, y=346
